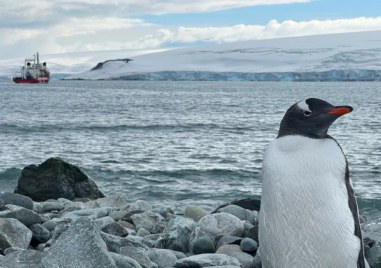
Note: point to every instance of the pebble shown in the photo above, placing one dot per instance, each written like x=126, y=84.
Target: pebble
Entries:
x=249, y=245
x=194, y=212
x=202, y=245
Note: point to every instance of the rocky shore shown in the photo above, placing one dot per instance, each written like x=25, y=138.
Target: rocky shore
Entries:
x=70, y=223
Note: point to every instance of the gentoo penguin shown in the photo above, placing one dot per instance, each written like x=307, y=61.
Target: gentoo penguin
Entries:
x=309, y=215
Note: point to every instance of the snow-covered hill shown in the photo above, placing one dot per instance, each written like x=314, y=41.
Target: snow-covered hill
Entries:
x=349, y=56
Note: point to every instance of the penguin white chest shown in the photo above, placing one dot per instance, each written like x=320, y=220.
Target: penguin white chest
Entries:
x=305, y=219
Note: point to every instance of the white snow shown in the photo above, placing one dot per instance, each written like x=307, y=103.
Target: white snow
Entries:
x=347, y=55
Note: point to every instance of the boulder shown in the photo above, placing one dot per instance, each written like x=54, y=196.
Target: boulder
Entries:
x=177, y=233
x=202, y=245
x=56, y=178
x=245, y=259
x=194, y=212
x=50, y=206
x=79, y=246
x=249, y=245
x=229, y=249
x=23, y=259
x=247, y=203
x=17, y=199
x=115, y=229
x=40, y=233
x=118, y=200
x=164, y=258
x=220, y=224
x=14, y=234
x=149, y=221
x=240, y=213
x=26, y=216
x=205, y=260
x=115, y=243
x=124, y=261
x=140, y=255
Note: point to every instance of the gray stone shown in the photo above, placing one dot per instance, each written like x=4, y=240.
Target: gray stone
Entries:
x=50, y=206
x=229, y=249
x=119, y=215
x=79, y=246
x=140, y=255
x=56, y=178
x=2, y=204
x=228, y=240
x=91, y=213
x=138, y=205
x=26, y=216
x=177, y=233
x=14, y=234
x=372, y=229
x=249, y=245
x=10, y=250
x=151, y=240
x=23, y=259
x=204, y=260
x=194, y=212
x=115, y=201
x=373, y=255
x=202, y=245
x=148, y=220
x=17, y=199
x=241, y=213
x=223, y=266
x=124, y=261
x=164, y=258
x=142, y=232
x=115, y=243
x=245, y=259
x=257, y=263
x=115, y=229
x=220, y=224
x=40, y=233
x=179, y=255
x=103, y=222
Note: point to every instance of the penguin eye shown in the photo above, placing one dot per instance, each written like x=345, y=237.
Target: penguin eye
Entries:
x=307, y=113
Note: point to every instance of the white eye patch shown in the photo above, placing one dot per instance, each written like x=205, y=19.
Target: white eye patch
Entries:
x=303, y=106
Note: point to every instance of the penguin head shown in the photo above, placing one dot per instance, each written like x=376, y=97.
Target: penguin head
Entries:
x=311, y=118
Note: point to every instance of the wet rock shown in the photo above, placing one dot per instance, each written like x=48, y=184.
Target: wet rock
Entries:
x=247, y=203
x=245, y=259
x=17, y=199
x=115, y=243
x=228, y=240
x=124, y=261
x=240, y=213
x=26, y=216
x=40, y=233
x=220, y=224
x=103, y=222
x=164, y=258
x=14, y=234
x=149, y=221
x=194, y=212
x=177, y=233
x=373, y=255
x=50, y=206
x=202, y=245
x=56, y=178
x=23, y=259
x=91, y=213
x=2, y=204
x=249, y=245
x=79, y=246
x=118, y=200
x=115, y=229
x=204, y=260
x=142, y=232
x=140, y=255
x=372, y=229
x=229, y=249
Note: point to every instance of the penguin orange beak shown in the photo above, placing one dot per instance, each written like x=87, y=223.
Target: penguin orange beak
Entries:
x=340, y=110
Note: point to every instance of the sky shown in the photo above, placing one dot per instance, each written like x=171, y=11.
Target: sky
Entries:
x=64, y=26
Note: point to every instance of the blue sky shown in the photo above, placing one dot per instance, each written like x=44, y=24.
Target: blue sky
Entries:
x=61, y=26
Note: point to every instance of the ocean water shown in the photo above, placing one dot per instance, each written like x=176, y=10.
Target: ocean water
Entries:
x=178, y=143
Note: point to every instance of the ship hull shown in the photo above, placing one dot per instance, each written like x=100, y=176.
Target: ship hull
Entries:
x=21, y=80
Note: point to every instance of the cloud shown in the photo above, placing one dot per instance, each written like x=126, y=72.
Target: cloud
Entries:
x=272, y=29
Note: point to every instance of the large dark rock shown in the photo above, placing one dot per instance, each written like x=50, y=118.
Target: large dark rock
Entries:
x=54, y=179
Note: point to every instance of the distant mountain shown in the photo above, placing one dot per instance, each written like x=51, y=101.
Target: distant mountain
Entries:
x=334, y=57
